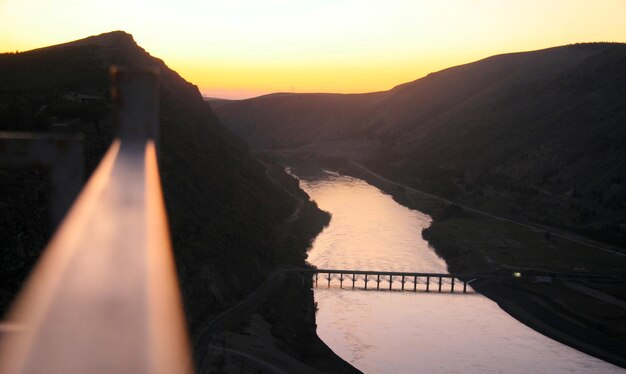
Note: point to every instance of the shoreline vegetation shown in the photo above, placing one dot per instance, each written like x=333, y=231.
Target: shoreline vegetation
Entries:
x=592, y=322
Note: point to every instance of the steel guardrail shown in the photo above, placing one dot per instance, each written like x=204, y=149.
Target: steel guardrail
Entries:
x=104, y=295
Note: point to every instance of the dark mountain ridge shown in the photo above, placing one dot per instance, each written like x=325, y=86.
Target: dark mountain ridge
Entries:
x=535, y=135
x=230, y=214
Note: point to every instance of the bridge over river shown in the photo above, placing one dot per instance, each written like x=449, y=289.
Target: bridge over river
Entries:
x=443, y=282
x=403, y=281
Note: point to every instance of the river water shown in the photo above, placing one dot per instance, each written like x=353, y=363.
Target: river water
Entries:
x=406, y=332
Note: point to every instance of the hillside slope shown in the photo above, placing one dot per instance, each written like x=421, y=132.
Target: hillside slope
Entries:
x=288, y=120
x=539, y=135
x=230, y=215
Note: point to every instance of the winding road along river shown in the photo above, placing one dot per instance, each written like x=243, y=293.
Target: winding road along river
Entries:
x=405, y=332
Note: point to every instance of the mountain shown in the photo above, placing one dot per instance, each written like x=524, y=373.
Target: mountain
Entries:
x=233, y=217
x=538, y=136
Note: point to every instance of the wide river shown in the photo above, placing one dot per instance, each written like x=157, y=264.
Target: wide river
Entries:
x=406, y=332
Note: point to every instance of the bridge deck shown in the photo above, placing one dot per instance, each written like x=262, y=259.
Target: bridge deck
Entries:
x=427, y=282
x=376, y=272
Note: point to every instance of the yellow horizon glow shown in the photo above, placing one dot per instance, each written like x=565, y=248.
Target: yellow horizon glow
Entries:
x=246, y=48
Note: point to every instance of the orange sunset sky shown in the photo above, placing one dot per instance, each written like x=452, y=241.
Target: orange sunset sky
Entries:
x=244, y=48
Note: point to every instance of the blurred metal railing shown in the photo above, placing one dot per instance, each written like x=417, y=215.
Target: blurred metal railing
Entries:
x=104, y=295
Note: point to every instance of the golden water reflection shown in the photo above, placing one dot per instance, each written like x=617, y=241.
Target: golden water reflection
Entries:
x=403, y=332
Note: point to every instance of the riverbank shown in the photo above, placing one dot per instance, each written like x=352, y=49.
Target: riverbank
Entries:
x=471, y=243
x=539, y=313
x=273, y=328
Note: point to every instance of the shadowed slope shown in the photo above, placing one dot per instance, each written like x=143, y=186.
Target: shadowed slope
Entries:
x=543, y=127
x=231, y=224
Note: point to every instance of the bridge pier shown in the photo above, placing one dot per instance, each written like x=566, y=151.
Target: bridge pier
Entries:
x=452, y=286
x=428, y=284
x=340, y=280
x=390, y=281
x=464, y=287
x=440, y=280
x=316, y=275
x=415, y=284
x=328, y=280
x=403, y=283
x=378, y=281
x=366, y=281
x=353, y=280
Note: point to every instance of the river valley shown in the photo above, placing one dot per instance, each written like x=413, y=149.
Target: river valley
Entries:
x=406, y=332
